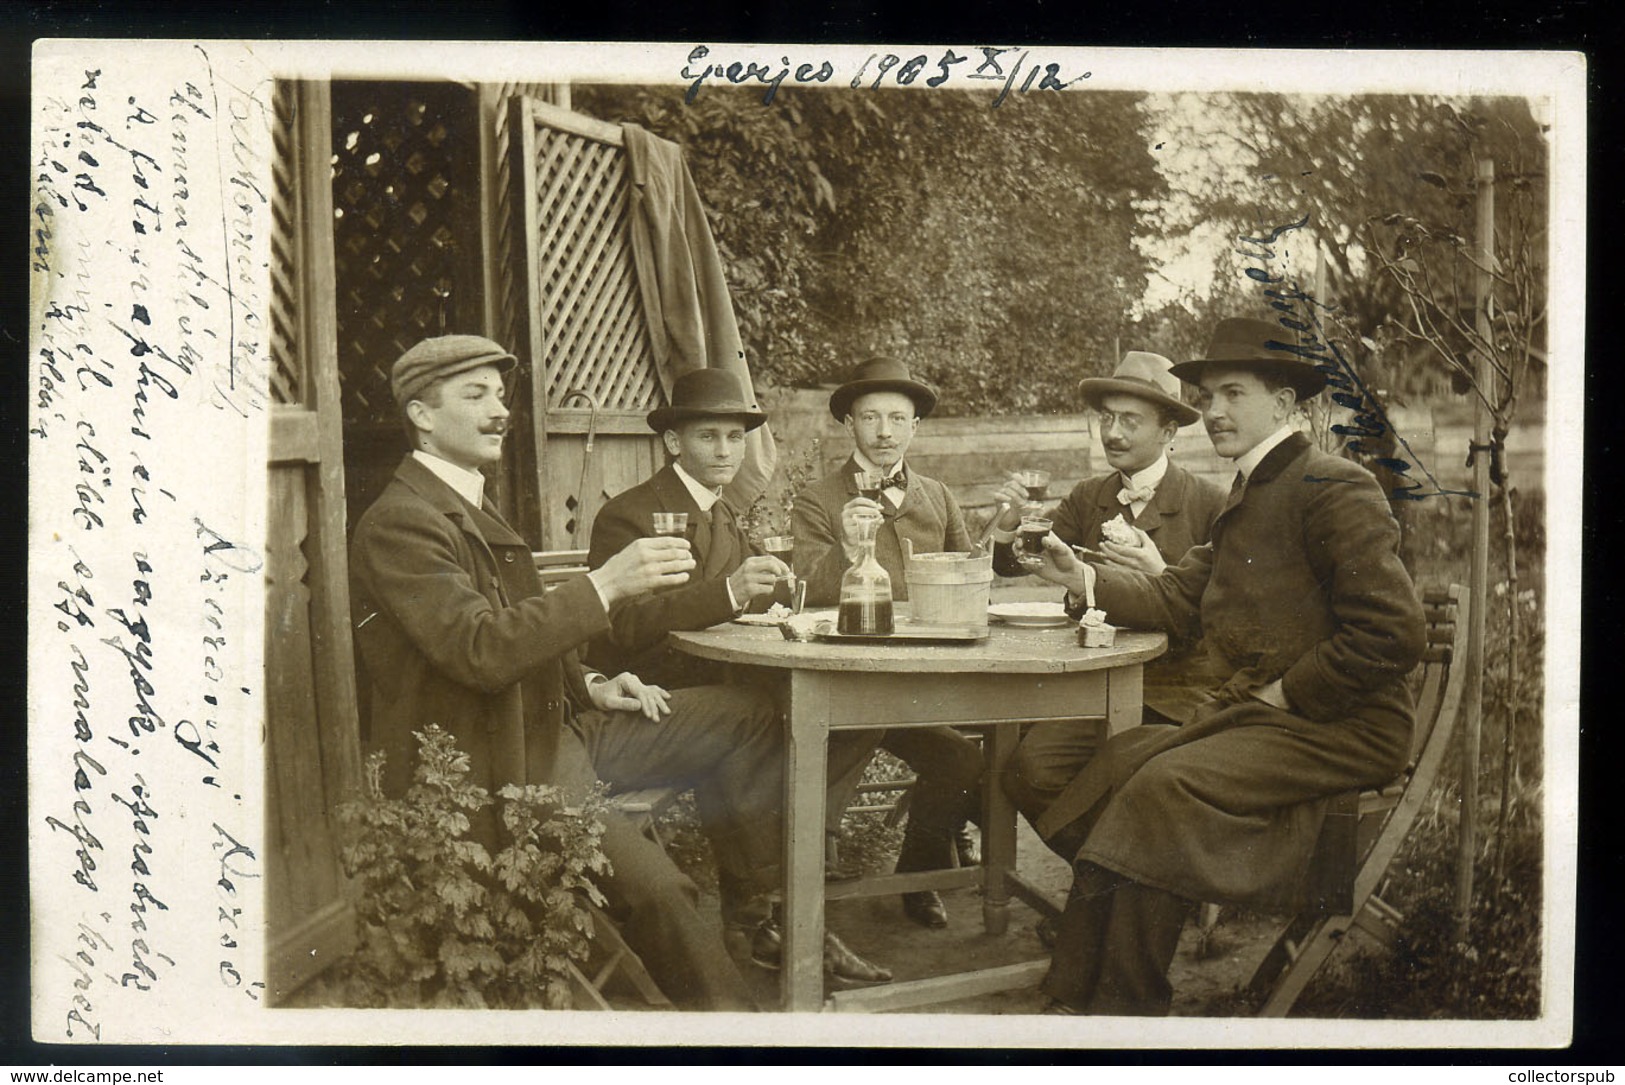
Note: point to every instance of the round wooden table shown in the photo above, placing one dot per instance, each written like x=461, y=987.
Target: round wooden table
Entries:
x=1015, y=676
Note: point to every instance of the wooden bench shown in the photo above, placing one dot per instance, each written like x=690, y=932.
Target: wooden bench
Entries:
x=1364, y=830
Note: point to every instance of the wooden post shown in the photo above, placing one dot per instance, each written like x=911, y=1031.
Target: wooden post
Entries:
x=1480, y=560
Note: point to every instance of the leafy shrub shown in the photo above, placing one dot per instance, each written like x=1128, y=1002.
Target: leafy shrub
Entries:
x=446, y=924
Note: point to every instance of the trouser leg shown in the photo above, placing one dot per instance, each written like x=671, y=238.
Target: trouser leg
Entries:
x=1114, y=943
x=849, y=754
x=948, y=767
x=1045, y=762
x=725, y=743
x=657, y=905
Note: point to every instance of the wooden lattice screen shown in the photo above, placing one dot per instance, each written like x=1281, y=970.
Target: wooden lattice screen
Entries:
x=589, y=309
x=407, y=250
x=587, y=331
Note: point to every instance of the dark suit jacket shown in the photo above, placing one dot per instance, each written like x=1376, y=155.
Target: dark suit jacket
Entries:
x=929, y=517
x=638, y=627
x=1179, y=515
x=1302, y=582
x=454, y=629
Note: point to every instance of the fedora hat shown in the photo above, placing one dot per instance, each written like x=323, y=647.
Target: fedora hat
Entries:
x=705, y=393
x=1243, y=343
x=881, y=375
x=441, y=357
x=1144, y=375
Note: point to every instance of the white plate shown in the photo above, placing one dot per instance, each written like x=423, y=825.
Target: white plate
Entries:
x=1030, y=615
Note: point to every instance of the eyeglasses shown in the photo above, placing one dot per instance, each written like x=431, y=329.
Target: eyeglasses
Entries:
x=1126, y=422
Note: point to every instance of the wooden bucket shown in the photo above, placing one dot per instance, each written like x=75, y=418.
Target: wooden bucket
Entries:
x=947, y=588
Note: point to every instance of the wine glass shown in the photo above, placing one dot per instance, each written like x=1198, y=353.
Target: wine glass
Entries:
x=1035, y=480
x=869, y=484
x=670, y=523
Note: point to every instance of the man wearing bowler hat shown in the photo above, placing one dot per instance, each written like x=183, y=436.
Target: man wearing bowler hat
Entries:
x=703, y=430
x=1168, y=509
x=881, y=406
x=454, y=629
x=1313, y=625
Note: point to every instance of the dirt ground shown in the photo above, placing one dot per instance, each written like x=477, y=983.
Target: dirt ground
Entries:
x=877, y=928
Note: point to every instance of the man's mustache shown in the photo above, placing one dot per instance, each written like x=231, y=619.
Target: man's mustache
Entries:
x=495, y=428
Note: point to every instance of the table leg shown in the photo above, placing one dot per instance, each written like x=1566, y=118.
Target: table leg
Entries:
x=998, y=830
x=806, y=772
x=1125, y=697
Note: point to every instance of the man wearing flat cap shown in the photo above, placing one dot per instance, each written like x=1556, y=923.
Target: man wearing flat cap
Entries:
x=703, y=429
x=881, y=406
x=1313, y=625
x=454, y=629
x=1168, y=510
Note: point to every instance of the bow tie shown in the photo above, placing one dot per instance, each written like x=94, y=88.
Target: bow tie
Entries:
x=899, y=481
x=1128, y=495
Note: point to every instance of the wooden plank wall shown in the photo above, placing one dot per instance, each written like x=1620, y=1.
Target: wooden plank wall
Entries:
x=312, y=741
x=972, y=455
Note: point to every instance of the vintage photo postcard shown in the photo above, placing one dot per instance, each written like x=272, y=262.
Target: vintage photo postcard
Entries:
x=706, y=543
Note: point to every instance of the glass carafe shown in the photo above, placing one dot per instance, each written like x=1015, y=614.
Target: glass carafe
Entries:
x=866, y=608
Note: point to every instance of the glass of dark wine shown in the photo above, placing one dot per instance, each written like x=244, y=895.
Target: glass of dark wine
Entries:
x=783, y=547
x=869, y=484
x=1030, y=541
x=1036, y=481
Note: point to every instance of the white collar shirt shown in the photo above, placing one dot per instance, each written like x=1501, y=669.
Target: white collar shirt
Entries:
x=1248, y=461
x=469, y=485
x=1148, y=478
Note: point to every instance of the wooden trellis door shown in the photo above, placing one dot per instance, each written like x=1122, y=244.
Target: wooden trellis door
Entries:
x=591, y=362
x=312, y=755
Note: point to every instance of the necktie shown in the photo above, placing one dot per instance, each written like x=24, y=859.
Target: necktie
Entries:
x=899, y=481
x=1238, y=485
x=723, y=555
x=1128, y=495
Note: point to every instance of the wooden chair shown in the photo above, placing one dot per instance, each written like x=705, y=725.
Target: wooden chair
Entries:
x=557, y=566
x=1364, y=830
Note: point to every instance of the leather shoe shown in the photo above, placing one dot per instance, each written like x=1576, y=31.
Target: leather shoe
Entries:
x=1046, y=932
x=926, y=909
x=965, y=848
x=767, y=950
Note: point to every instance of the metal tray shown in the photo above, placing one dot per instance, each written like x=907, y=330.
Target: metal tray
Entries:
x=906, y=632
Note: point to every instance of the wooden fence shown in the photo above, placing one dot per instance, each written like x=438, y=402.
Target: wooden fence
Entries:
x=973, y=455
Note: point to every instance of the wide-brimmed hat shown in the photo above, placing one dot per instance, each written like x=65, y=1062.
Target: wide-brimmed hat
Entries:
x=1260, y=346
x=705, y=393
x=441, y=357
x=881, y=375
x=1146, y=376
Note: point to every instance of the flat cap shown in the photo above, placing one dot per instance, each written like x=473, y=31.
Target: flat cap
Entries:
x=444, y=356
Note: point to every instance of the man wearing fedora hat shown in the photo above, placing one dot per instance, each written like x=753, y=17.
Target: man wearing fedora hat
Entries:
x=454, y=629
x=1169, y=510
x=1312, y=623
x=703, y=429
x=881, y=406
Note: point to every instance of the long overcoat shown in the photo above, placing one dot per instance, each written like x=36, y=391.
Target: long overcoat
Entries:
x=1302, y=582
x=454, y=629
x=1179, y=515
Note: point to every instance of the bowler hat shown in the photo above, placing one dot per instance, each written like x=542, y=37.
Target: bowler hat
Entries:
x=1258, y=345
x=705, y=393
x=443, y=356
x=881, y=375
x=1144, y=375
